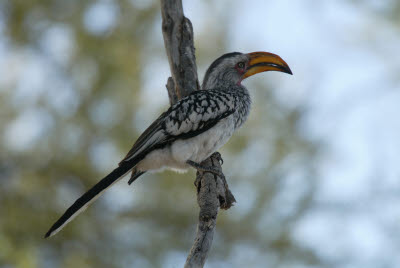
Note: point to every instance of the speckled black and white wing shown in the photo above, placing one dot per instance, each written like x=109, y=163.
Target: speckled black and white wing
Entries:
x=189, y=117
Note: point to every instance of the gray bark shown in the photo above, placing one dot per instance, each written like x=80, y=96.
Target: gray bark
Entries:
x=178, y=40
x=212, y=192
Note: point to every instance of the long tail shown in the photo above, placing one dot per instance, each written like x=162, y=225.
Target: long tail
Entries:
x=87, y=198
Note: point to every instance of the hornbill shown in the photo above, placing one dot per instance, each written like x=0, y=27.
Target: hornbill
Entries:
x=190, y=130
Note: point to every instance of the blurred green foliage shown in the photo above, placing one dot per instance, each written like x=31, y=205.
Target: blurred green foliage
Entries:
x=90, y=110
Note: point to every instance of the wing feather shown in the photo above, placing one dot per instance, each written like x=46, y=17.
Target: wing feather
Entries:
x=189, y=117
x=148, y=138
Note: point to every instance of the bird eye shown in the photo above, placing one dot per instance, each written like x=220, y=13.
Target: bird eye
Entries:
x=241, y=65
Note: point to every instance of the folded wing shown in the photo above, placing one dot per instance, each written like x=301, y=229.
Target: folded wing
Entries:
x=190, y=117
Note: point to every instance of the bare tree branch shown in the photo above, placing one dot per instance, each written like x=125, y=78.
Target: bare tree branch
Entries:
x=178, y=39
x=173, y=97
x=212, y=192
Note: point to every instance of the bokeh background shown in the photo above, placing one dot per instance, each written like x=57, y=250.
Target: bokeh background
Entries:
x=315, y=170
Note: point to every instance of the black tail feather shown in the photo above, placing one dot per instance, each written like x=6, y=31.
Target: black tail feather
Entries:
x=89, y=197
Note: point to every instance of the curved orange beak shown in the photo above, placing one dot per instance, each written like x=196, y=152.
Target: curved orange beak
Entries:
x=264, y=61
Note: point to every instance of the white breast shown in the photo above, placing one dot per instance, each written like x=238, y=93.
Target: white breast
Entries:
x=197, y=148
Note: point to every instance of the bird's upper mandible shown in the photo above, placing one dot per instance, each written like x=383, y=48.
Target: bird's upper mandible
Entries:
x=232, y=68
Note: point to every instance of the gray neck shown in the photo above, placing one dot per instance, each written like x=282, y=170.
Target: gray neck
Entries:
x=221, y=80
x=243, y=103
x=223, y=85
x=242, y=100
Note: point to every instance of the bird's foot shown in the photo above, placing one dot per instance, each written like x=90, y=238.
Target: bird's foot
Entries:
x=218, y=156
x=202, y=168
x=227, y=199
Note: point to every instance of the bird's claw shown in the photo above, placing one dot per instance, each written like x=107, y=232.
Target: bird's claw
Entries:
x=212, y=170
x=218, y=156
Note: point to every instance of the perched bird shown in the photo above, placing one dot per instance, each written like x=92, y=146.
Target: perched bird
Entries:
x=190, y=130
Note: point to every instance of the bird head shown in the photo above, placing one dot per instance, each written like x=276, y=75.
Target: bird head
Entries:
x=233, y=67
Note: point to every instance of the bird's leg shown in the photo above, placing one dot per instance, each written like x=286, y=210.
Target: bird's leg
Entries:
x=202, y=168
x=228, y=199
x=218, y=156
